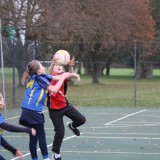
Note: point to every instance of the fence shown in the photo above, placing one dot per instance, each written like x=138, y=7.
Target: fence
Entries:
x=133, y=63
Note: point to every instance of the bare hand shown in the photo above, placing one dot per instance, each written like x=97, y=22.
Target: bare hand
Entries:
x=68, y=75
x=19, y=154
x=78, y=78
x=71, y=62
x=33, y=131
x=75, y=75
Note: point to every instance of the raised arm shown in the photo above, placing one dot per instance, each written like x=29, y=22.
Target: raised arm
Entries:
x=64, y=76
x=71, y=64
x=56, y=87
x=71, y=69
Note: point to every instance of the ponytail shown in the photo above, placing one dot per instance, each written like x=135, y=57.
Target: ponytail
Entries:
x=32, y=68
x=25, y=77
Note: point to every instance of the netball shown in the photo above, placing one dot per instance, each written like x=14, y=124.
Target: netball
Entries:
x=62, y=57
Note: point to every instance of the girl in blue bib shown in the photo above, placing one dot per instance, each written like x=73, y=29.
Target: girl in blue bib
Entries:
x=5, y=126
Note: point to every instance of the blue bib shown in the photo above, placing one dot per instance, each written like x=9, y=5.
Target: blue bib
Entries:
x=36, y=92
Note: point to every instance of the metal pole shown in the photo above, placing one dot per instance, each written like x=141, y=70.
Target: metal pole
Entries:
x=2, y=68
x=12, y=32
x=13, y=72
x=135, y=70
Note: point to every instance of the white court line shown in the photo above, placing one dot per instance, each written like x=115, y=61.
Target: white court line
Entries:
x=19, y=116
x=91, y=133
x=125, y=117
x=115, y=137
x=111, y=152
x=133, y=133
x=12, y=118
x=38, y=148
x=74, y=135
x=47, y=147
x=127, y=126
x=118, y=125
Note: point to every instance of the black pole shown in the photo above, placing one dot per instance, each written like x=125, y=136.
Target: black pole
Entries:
x=135, y=71
x=13, y=66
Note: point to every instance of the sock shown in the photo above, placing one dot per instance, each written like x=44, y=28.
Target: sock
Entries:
x=46, y=159
x=72, y=126
x=57, y=155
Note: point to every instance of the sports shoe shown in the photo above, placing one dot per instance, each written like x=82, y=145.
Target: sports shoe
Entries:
x=54, y=158
x=74, y=130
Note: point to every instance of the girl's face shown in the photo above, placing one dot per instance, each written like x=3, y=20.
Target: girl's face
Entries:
x=41, y=69
x=57, y=69
x=2, y=104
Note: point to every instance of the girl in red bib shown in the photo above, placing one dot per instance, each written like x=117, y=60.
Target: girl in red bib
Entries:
x=59, y=107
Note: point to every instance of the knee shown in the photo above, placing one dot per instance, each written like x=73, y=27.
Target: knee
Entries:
x=83, y=120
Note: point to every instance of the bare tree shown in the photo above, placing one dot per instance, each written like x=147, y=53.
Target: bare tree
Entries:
x=28, y=19
x=114, y=21
x=86, y=27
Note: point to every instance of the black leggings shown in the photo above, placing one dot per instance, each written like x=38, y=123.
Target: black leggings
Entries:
x=41, y=137
x=57, y=119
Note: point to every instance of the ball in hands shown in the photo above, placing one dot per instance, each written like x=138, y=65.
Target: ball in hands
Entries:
x=62, y=57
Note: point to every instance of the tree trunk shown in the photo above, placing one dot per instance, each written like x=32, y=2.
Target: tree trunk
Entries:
x=95, y=74
x=145, y=70
x=94, y=64
x=149, y=73
x=108, y=66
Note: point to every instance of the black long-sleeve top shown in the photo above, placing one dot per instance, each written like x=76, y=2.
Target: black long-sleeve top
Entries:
x=11, y=128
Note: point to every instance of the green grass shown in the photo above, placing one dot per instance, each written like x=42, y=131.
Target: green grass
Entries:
x=116, y=90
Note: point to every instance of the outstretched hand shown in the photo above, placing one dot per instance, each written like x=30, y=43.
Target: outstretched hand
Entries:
x=77, y=76
x=68, y=75
x=19, y=154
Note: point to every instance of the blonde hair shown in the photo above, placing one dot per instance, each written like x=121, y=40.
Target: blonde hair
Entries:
x=32, y=69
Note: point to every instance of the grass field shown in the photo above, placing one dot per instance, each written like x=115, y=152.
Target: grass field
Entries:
x=116, y=90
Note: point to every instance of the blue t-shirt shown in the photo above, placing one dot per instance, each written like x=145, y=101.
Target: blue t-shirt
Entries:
x=36, y=92
x=1, y=121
